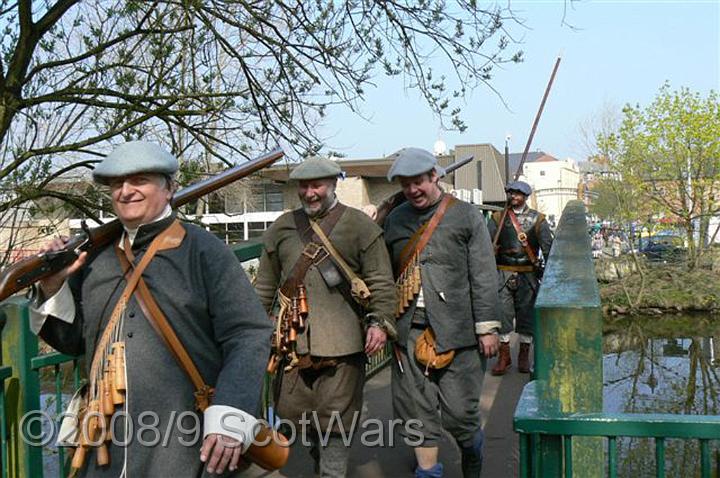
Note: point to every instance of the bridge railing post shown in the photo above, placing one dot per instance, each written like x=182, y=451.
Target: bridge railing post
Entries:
x=568, y=347
x=22, y=390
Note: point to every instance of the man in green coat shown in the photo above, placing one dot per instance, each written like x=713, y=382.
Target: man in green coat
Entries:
x=323, y=385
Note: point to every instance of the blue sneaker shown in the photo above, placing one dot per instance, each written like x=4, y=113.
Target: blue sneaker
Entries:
x=434, y=472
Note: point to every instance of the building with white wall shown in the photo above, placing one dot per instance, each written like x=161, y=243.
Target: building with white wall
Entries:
x=555, y=182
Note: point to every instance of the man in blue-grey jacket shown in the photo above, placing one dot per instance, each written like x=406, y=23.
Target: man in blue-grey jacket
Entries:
x=208, y=301
x=457, y=299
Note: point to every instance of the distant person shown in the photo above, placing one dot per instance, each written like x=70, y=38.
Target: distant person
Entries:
x=615, y=243
x=598, y=244
x=523, y=235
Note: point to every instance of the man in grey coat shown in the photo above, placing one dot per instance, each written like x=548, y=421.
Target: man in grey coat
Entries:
x=457, y=300
x=208, y=301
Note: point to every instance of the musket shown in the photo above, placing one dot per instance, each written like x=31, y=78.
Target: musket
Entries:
x=527, y=147
x=398, y=198
x=27, y=271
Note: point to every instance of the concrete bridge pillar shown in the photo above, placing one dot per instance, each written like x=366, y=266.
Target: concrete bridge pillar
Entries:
x=568, y=346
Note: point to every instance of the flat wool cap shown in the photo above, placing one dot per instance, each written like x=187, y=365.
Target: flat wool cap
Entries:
x=135, y=157
x=519, y=186
x=316, y=168
x=411, y=162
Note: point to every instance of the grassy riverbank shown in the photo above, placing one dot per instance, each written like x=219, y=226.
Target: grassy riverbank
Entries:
x=666, y=288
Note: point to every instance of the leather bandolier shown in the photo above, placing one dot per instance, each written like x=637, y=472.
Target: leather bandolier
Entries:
x=270, y=456
x=292, y=295
x=511, y=254
x=408, y=281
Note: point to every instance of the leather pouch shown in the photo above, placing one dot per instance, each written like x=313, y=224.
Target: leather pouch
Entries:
x=426, y=352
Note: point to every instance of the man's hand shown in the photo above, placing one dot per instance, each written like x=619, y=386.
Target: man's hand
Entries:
x=489, y=344
x=219, y=451
x=50, y=285
x=371, y=211
x=374, y=340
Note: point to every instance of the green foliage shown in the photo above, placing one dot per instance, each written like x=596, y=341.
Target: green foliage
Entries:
x=667, y=159
x=668, y=287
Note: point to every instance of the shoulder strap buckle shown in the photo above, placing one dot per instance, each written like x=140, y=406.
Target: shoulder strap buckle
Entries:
x=312, y=250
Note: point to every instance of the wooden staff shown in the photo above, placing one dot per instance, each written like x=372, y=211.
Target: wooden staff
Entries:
x=527, y=147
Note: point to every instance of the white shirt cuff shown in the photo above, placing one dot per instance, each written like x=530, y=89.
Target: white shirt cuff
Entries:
x=482, y=328
x=231, y=422
x=61, y=305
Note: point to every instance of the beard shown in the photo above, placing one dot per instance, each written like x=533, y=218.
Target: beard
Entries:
x=317, y=209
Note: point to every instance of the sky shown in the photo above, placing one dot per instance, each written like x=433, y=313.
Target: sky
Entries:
x=616, y=52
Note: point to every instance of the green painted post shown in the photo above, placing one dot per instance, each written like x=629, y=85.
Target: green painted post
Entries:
x=5, y=372
x=705, y=458
x=524, y=468
x=568, y=344
x=567, y=444
x=22, y=390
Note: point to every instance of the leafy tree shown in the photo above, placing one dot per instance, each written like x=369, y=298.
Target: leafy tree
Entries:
x=668, y=153
x=216, y=79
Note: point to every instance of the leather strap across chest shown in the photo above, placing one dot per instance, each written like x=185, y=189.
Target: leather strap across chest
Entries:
x=313, y=252
x=522, y=237
x=421, y=237
x=158, y=320
x=162, y=241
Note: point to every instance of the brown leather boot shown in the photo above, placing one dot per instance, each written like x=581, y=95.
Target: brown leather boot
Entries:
x=504, y=361
x=524, y=358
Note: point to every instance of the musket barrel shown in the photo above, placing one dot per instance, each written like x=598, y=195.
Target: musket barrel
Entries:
x=27, y=271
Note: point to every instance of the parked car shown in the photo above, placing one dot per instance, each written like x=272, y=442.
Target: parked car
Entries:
x=666, y=248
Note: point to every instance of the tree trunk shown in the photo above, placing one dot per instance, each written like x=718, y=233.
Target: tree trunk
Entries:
x=691, y=248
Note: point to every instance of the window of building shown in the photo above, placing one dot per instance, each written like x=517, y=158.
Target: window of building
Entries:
x=235, y=232
x=216, y=204
x=265, y=197
x=542, y=173
x=256, y=229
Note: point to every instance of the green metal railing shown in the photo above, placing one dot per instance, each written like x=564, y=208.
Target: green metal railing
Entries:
x=21, y=385
x=530, y=422
x=563, y=430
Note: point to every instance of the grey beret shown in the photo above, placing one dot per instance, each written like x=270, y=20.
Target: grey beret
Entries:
x=316, y=168
x=135, y=157
x=413, y=162
x=519, y=186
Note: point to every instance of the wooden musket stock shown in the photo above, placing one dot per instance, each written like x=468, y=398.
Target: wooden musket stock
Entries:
x=270, y=449
x=26, y=272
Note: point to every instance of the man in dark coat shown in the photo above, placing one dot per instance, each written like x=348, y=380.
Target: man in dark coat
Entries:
x=524, y=234
x=202, y=290
x=457, y=300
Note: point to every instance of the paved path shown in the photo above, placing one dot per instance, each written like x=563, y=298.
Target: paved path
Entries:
x=498, y=400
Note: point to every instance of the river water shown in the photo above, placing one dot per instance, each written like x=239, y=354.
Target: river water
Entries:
x=662, y=364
